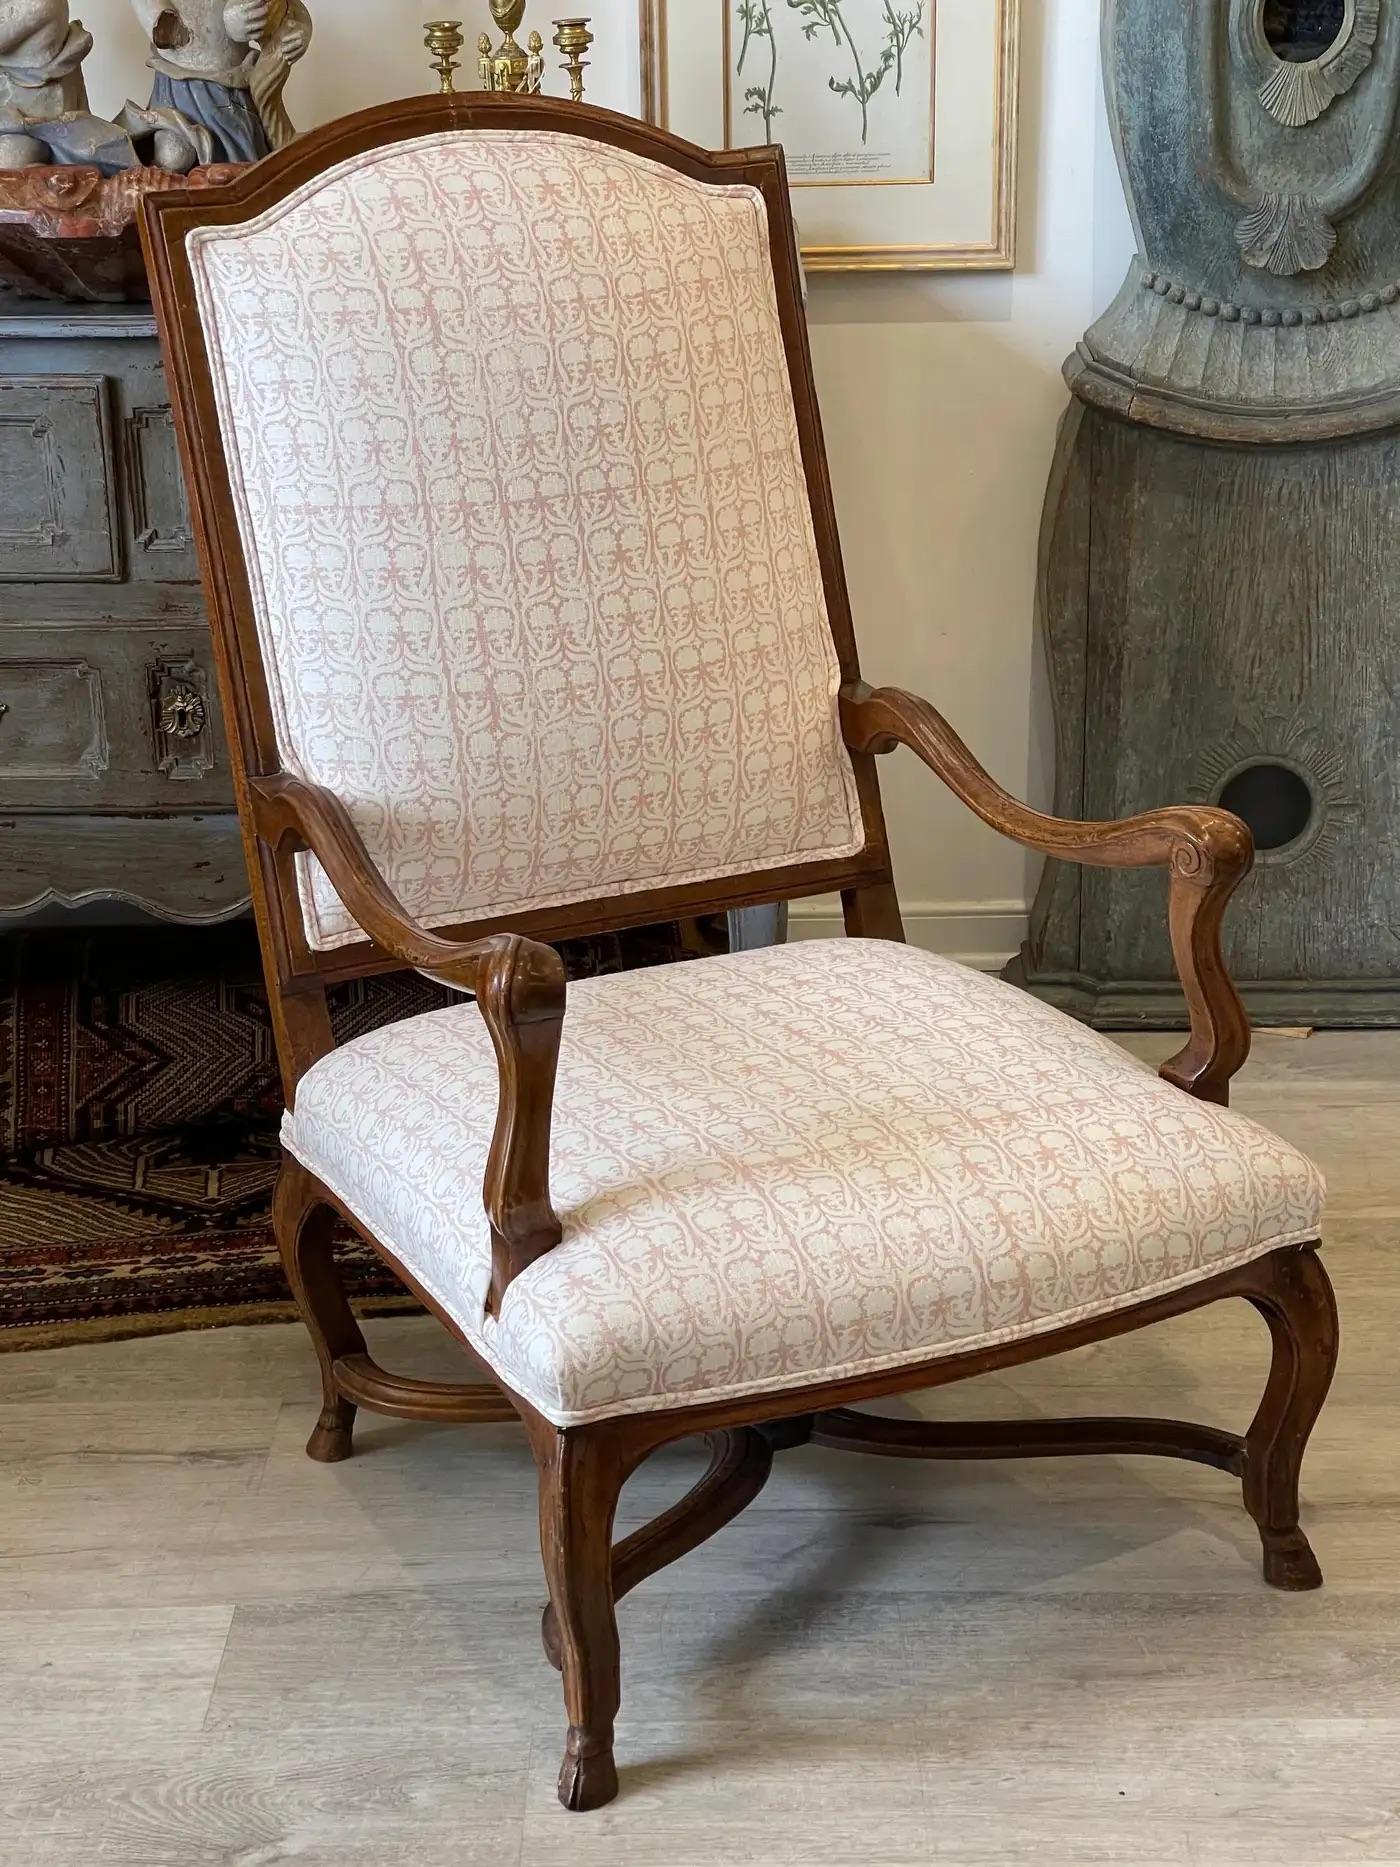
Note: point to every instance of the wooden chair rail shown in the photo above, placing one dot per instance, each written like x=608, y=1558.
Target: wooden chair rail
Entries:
x=742, y=1459
x=520, y=990
x=844, y=1430
x=360, y=1380
x=1207, y=853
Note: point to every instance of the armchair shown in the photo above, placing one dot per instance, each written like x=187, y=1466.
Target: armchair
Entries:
x=520, y=551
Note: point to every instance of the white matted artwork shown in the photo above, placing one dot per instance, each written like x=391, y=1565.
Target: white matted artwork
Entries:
x=898, y=117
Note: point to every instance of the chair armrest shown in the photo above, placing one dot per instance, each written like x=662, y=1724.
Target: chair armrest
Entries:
x=520, y=991
x=1208, y=853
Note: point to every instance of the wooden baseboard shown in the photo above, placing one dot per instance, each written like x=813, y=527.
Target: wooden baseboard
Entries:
x=1157, y=1005
x=983, y=934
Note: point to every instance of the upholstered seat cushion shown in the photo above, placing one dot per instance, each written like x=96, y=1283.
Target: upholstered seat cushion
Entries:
x=797, y=1164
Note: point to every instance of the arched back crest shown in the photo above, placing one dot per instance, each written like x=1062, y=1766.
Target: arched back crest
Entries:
x=807, y=814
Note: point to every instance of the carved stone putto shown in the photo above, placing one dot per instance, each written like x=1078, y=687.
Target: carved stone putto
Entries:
x=220, y=70
x=41, y=75
x=223, y=64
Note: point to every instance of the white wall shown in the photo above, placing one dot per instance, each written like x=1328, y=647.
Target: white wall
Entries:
x=364, y=52
x=940, y=396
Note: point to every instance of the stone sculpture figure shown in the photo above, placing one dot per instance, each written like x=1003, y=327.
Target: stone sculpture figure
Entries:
x=41, y=56
x=41, y=77
x=220, y=70
x=44, y=115
x=223, y=64
x=283, y=41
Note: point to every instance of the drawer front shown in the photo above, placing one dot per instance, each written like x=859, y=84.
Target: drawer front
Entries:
x=159, y=531
x=187, y=869
x=52, y=725
x=58, y=511
x=109, y=718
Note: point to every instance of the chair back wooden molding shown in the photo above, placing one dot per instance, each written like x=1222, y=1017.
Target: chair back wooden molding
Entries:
x=298, y=975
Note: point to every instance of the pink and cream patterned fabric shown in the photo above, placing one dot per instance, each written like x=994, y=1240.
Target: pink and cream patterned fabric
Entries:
x=513, y=449
x=801, y=1163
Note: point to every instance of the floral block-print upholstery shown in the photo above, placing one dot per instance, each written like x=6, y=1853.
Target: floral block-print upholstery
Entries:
x=513, y=450
x=807, y=1162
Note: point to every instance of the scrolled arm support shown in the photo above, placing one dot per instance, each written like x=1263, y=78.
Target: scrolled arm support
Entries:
x=520, y=991
x=1206, y=852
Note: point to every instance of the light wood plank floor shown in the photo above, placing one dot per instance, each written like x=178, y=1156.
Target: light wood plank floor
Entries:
x=217, y=1654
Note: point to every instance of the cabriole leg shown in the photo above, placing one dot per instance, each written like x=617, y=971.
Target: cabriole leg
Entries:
x=1301, y=1312
x=581, y=1475
x=740, y=1462
x=304, y=1225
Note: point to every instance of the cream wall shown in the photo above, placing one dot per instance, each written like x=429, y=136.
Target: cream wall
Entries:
x=364, y=51
x=940, y=396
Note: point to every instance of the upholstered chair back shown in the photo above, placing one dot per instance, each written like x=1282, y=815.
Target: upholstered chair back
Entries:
x=516, y=469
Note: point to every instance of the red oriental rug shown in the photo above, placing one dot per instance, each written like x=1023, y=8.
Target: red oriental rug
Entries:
x=139, y=1106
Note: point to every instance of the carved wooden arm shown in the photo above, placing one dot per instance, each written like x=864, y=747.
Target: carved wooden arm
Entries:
x=519, y=988
x=1208, y=853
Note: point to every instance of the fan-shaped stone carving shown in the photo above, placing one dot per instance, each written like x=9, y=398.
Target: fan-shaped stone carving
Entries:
x=1297, y=92
x=1286, y=234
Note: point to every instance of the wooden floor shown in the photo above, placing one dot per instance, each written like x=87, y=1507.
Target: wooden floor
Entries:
x=216, y=1654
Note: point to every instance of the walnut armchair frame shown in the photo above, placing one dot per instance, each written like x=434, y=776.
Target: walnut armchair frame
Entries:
x=518, y=983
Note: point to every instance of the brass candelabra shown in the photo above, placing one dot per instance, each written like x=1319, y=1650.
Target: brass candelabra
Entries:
x=511, y=66
x=443, y=38
x=573, y=39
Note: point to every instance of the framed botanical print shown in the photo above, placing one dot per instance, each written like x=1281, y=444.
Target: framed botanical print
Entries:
x=898, y=117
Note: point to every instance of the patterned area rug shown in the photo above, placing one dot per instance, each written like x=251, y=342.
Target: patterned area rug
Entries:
x=139, y=1106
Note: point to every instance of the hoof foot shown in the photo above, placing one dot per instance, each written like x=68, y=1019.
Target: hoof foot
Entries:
x=331, y=1438
x=1289, y=1562
x=549, y=1634
x=588, y=1779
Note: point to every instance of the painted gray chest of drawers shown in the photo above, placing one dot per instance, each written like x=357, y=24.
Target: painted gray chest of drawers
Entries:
x=114, y=775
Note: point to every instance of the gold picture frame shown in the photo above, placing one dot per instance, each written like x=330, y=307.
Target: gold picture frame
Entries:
x=963, y=218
